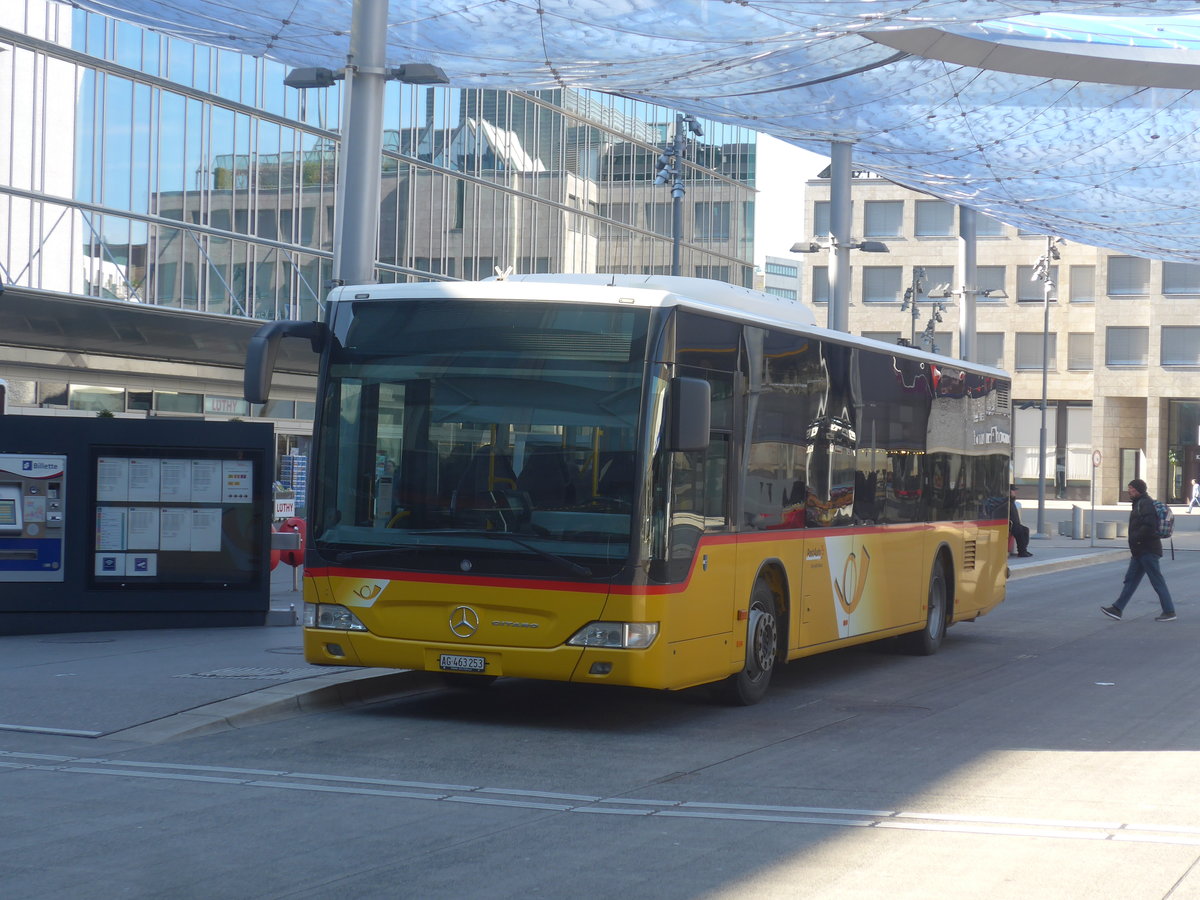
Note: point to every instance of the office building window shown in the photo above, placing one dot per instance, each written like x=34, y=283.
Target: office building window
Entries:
x=881, y=284
x=1180, y=278
x=779, y=269
x=888, y=337
x=935, y=218
x=1128, y=276
x=1029, y=290
x=1181, y=345
x=939, y=277
x=943, y=341
x=820, y=284
x=986, y=226
x=1083, y=284
x=883, y=218
x=785, y=293
x=1029, y=351
x=820, y=218
x=711, y=220
x=990, y=278
x=1126, y=345
x=989, y=348
x=1080, y=351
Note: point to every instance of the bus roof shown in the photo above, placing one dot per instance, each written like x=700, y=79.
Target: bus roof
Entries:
x=701, y=294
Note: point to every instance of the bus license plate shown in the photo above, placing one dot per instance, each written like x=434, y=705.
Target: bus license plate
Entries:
x=453, y=663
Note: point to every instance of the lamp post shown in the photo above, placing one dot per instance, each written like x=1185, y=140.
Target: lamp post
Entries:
x=1042, y=272
x=911, y=293
x=670, y=168
x=356, y=215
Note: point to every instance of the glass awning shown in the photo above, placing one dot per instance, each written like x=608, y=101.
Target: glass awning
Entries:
x=994, y=104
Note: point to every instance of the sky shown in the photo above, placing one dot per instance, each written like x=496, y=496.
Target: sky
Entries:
x=779, y=210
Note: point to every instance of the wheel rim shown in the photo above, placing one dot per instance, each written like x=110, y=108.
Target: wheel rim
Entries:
x=937, y=605
x=763, y=638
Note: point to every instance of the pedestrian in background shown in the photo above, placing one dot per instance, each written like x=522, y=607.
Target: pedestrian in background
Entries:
x=1019, y=532
x=1195, y=499
x=1145, y=548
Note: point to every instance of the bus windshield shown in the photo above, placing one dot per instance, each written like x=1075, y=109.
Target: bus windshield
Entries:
x=505, y=426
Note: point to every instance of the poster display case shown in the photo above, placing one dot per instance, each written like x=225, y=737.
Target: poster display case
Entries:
x=179, y=517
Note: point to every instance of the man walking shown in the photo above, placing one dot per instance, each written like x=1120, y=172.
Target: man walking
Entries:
x=1145, y=548
x=1019, y=532
x=1195, y=498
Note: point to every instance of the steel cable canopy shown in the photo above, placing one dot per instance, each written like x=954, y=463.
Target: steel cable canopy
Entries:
x=997, y=105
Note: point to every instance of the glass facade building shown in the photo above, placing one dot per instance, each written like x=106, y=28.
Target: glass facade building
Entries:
x=147, y=170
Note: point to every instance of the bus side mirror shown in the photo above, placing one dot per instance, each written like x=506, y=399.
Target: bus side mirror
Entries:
x=690, y=405
x=263, y=348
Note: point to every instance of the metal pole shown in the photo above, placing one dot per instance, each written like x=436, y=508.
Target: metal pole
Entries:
x=356, y=234
x=677, y=197
x=967, y=274
x=1047, y=287
x=839, y=246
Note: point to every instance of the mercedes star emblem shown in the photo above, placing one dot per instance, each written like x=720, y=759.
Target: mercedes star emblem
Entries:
x=464, y=621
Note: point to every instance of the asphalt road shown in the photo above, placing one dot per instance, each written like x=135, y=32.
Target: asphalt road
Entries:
x=1045, y=752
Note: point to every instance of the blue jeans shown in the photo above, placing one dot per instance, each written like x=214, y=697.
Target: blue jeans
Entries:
x=1145, y=564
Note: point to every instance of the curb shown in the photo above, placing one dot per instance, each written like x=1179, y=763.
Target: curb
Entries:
x=1028, y=570
x=282, y=701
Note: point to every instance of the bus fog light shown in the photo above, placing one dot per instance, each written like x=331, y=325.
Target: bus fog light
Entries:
x=600, y=668
x=617, y=635
x=330, y=615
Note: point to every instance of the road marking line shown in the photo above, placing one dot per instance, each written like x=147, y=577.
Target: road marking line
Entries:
x=949, y=823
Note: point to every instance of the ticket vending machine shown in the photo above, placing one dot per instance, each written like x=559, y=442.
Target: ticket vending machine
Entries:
x=32, y=509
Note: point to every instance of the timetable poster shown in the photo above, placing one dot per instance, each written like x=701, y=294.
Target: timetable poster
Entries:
x=189, y=519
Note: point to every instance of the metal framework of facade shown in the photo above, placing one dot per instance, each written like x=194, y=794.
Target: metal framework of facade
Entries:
x=990, y=105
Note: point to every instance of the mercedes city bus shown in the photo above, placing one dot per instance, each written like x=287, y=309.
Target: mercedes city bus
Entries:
x=650, y=481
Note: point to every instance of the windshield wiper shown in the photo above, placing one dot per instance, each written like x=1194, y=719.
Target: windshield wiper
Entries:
x=352, y=555
x=569, y=565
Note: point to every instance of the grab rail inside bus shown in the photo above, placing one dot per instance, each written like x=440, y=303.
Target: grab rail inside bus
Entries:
x=264, y=347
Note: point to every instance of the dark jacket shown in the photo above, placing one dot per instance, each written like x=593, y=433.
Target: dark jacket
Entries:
x=1143, y=527
x=1014, y=515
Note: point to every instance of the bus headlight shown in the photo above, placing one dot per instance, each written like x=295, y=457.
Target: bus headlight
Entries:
x=621, y=635
x=330, y=615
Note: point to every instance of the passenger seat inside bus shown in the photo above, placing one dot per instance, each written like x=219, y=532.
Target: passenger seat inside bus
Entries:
x=546, y=477
x=486, y=471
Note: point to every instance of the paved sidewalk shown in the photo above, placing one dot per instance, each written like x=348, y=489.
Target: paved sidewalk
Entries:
x=154, y=685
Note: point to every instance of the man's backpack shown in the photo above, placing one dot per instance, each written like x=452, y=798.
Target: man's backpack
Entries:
x=1166, y=519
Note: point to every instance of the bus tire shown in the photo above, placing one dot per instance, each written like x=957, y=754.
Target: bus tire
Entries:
x=750, y=685
x=927, y=641
x=464, y=682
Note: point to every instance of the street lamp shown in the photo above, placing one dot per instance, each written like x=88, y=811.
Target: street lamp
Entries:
x=822, y=243
x=1042, y=271
x=670, y=169
x=356, y=216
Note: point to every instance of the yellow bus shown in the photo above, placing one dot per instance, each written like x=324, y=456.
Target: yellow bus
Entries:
x=652, y=481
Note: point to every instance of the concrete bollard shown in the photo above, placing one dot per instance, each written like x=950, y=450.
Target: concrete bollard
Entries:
x=1122, y=529
x=1106, y=530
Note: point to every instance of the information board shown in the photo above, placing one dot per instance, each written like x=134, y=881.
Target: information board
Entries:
x=180, y=517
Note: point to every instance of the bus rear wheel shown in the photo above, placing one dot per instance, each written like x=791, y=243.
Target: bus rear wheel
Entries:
x=927, y=641
x=750, y=685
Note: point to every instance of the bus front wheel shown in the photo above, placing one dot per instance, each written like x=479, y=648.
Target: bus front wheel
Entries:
x=749, y=686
